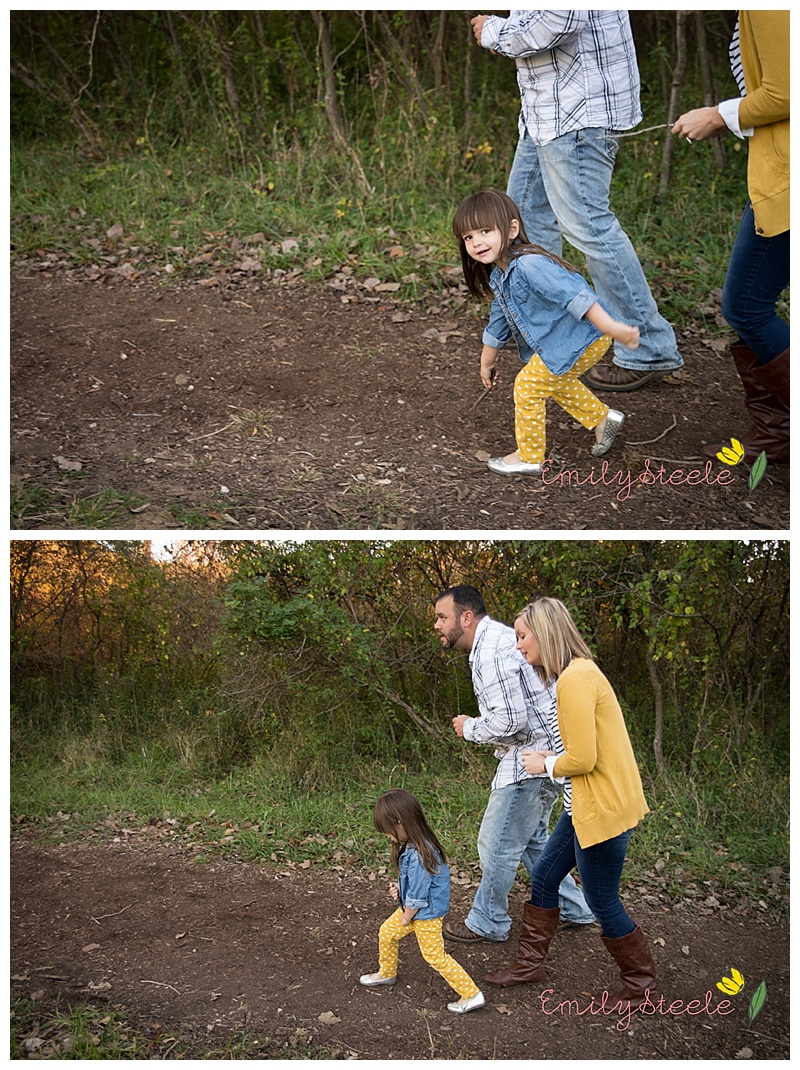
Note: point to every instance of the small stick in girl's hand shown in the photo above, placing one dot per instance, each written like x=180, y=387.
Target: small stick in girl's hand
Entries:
x=488, y=390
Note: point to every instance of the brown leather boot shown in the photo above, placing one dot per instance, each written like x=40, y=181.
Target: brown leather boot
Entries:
x=538, y=929
x=636, y=968
x=766, y=395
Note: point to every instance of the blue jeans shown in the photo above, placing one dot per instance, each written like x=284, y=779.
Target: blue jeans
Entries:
x=514, y=829
x=562, y=188
x=758, y=273
x=600, y=869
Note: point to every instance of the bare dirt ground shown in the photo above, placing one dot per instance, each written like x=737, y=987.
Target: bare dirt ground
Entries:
x=195, y=951
x=236, y=403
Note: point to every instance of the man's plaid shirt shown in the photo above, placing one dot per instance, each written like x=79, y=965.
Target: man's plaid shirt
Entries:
x=576, y=69
x=517, y=710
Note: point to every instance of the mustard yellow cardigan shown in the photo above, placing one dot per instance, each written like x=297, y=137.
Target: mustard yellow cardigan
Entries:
x=607, y=796
x=764, y=43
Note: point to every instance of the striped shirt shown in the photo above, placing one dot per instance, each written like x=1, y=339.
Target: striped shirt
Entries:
x=558, y=747
x=729, y=109
x=575, y=69
x=517, y=711
x=735, y=54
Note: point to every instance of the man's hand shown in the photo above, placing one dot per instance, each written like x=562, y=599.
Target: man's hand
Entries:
x=458, y=725
x=477, y=26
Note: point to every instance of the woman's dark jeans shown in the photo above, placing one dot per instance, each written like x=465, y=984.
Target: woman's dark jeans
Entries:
x=758, y=273
x=599, y=867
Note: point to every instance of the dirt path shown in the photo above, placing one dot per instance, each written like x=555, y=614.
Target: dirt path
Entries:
x=192, y=953
x=256, y=406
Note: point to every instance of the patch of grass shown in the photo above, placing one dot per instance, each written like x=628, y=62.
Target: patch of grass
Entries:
x=75, y=1030
x=203, y=516
x=35, y=506
x=79, y=1031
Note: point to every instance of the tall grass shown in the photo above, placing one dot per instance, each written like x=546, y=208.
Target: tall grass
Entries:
x=179, y=202
x=726, y=830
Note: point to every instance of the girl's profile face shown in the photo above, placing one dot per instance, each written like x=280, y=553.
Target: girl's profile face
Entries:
x=487, y=244
x=399, y=834
x=527, y=643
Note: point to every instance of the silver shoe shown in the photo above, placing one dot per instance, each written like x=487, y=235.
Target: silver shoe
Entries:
x=472, y=1004
x=614, y=422
x=499, y=464
x=371, y=982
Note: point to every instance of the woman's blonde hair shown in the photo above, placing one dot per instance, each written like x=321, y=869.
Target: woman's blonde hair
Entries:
x=559, y=640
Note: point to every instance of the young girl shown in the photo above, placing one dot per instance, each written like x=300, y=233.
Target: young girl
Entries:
x=424, y=897
x=558, y=324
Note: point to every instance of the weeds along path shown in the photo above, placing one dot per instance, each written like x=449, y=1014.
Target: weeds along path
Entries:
x=256, y=406
x=198, y=955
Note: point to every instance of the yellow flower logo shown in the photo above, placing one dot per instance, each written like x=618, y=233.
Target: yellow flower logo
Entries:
x=732, y=454
x=734, y=984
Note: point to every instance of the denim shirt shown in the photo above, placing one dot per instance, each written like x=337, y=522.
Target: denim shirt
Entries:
x=543, y=306
x=427, y=893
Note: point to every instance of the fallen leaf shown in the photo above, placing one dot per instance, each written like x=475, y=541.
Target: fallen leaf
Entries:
x=329, y=1018
x=67, y=466
x=90, y=947
x=501, y=1008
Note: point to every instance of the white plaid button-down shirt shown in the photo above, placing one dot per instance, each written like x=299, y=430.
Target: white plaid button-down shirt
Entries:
x=517, y=710
x=576, y=69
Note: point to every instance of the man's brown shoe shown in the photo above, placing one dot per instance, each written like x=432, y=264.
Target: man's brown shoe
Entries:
x=457, y=930
x=612, y=377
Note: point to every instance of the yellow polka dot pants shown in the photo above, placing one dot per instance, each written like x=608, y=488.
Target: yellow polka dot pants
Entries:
x=431, y=944
x=536, y=383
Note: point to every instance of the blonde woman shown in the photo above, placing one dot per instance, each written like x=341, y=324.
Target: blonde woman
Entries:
x=603, y=801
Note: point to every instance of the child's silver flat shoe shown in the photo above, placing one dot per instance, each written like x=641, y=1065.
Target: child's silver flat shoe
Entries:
x=614, y=422
x=373, y=982
x=472, y=1004
x=499, y=464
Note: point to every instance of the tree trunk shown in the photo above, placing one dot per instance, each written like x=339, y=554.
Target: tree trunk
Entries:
x=408, y=74
x=332, y=109
x=226, y=66
x=658, y=696
x=678, y=73
x=709, y=96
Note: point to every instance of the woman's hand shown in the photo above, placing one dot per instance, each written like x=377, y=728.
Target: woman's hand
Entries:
x=394, y=890
x=699, y=124
x=533, y=760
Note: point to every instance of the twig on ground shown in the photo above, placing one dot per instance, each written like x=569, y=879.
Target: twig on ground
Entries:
x=212, y=433
x=114, y=915
x=160, y=984
x=647, y=441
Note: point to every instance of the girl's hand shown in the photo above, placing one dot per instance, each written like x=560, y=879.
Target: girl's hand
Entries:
x=394, y=890
x=533, y=760
x=627, y=336
x=489, y=366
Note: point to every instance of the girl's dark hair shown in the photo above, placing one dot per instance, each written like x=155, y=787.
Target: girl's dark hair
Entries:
x=399, y=807
x=492, y=210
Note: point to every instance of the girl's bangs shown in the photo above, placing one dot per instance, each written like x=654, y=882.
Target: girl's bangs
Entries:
x=473, y=217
